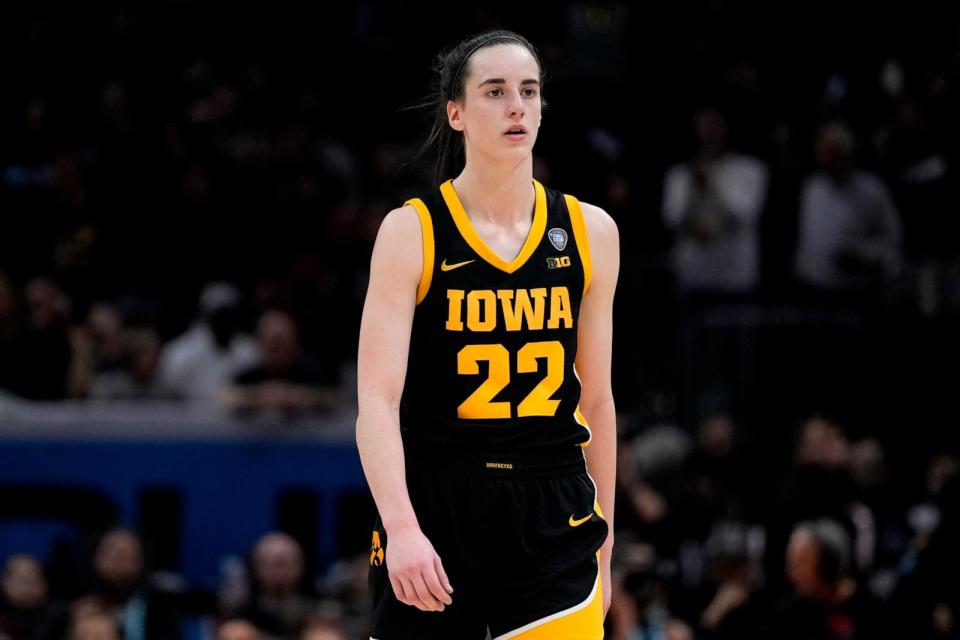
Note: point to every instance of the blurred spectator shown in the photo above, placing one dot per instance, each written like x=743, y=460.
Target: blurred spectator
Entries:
x=649, y=485
x=278, y=603
x=287, y=381
x=24, y=597
x=94, y=625
x=138, y=378
x=818, y=486
x=732, y=603
x=638, y=607
x=346, y=583
x=237, y=629
x=913, y=157
x=9, y=331
x=719, y=480
x=322, y=625
x=927, y=599
x=198, y=364
x=121, y=590
x=97, y=347
x=826, y=602
x=41, y=355
x=713, y=204
x=850, y=231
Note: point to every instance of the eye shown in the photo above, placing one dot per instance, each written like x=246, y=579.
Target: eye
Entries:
x=530, y=92
x=495, y=91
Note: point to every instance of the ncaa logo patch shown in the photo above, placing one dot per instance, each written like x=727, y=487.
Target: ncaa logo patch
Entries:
x=558, y=238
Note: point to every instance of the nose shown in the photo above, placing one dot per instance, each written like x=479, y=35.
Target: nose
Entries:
x=516, y=103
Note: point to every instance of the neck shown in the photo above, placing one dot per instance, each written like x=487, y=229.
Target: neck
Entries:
x=502, y=194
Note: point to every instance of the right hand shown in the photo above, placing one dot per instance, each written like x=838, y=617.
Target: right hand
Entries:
x=415, y=570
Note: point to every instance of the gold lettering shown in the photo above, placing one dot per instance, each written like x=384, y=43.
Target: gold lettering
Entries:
x=559, y=308
x=489, y=301
x=516, y=310
x=455, y=310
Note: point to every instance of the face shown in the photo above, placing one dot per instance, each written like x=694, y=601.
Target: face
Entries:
x=24, y=583
x=237, y=630
x=802, y=559
x=320, y=633
x=278, y=564
x=119, y=559
x=94, y=627
x=278, y=341
x=501, y=92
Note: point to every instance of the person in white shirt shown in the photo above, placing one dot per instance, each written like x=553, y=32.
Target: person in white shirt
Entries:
x=713, y=204
x=199, y=363
x=850, y=234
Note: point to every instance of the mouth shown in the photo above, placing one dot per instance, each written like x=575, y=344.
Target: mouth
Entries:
x=516, y=134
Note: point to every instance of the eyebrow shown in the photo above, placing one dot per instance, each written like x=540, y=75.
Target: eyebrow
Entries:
x=502, y=81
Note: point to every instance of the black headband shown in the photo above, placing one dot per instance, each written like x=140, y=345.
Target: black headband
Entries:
x=482, y=43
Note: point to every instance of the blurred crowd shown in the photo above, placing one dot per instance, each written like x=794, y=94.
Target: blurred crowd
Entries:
x=198, y=229
x=842, y=545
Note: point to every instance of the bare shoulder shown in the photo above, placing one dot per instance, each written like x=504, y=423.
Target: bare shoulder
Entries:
x=601, y=227
x=400, y=232
x=398, y=251
x=401, y=223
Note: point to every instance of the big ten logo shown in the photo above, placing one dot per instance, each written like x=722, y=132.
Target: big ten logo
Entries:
x=557, y=263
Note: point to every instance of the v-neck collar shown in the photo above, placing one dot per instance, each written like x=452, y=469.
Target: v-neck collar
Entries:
x=476, y=243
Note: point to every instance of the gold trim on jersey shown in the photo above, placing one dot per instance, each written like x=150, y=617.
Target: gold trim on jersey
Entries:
x=578, y=415
x=426, y=226
x=476, y=243
x=580, y=233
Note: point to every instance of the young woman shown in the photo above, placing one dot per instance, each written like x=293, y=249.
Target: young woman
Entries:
x=484, y=379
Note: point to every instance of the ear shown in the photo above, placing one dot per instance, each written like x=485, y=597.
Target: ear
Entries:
x=453, y=115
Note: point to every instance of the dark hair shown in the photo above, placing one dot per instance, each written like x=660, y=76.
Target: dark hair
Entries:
x=450, y=69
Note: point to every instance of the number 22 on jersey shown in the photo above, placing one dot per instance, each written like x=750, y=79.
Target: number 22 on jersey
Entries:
x=480, y=403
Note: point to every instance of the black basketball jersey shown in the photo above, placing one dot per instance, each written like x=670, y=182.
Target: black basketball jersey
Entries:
x=493, y=343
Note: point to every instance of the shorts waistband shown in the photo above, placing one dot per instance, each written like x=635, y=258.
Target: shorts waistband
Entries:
x=537, y=462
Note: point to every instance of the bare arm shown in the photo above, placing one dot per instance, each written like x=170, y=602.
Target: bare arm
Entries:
x=594, y=348
x=395, y=269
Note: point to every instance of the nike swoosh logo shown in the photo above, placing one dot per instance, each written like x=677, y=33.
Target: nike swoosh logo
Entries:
x=577, y=523
x=447, y=267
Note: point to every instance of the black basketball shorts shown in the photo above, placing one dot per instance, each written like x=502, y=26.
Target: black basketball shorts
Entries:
x=518, y=537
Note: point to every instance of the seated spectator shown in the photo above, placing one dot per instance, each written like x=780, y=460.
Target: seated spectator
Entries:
x=826, y=602
x=732, y=602
x=97, y=348
x=42, y=354
x=322, y=625
x=9, y=333
x=24, y=597
x=237, y=629
x=197, y=364
x=639, y=607
x=138, y=379
x=279, y=602
x=287, y=381
x=94, y=625
x=121, y=591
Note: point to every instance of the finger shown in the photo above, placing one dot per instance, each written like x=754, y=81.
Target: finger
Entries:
x=398, y=590
x=435, y=588
x=424, y=594
x=442, y=574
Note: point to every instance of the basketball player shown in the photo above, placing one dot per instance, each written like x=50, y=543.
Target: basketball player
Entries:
x=484, y=374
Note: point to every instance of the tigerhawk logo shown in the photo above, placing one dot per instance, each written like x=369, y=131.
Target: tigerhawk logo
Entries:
x=376, y=551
